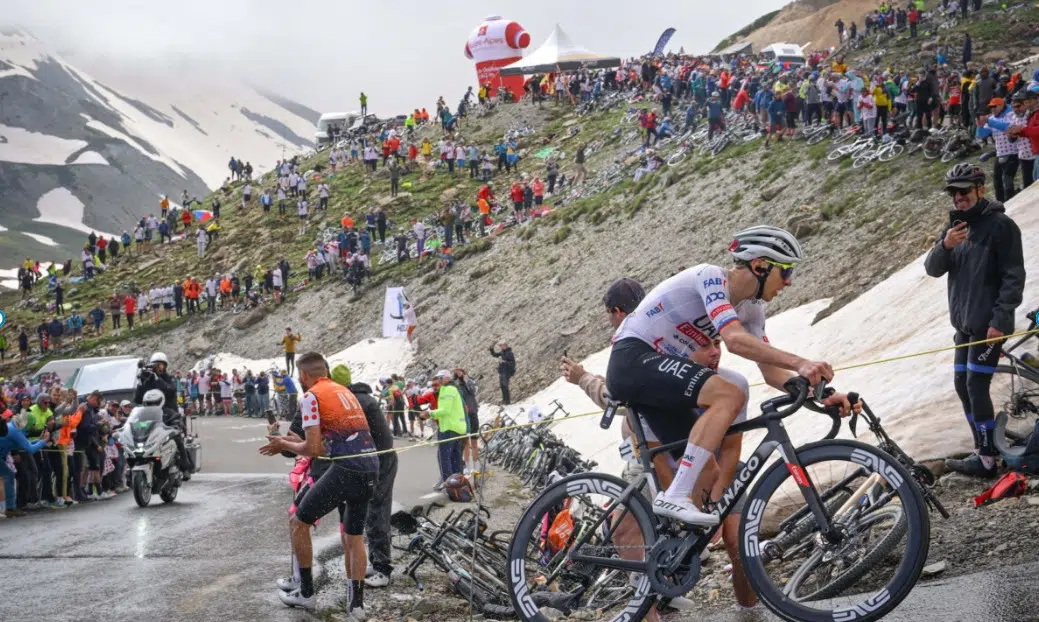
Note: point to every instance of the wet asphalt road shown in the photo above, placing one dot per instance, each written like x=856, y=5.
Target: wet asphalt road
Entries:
x=214, y=553
x=211, y=555
x=993, y=596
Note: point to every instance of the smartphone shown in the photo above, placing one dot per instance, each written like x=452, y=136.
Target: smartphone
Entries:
x=271, y=419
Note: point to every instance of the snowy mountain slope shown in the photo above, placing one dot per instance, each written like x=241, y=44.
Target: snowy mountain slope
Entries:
x=99, y=152
x=904, y=314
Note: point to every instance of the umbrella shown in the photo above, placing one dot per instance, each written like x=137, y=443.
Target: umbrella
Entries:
x=202, y=215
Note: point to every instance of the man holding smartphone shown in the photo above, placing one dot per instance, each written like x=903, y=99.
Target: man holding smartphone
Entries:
x=981, y=252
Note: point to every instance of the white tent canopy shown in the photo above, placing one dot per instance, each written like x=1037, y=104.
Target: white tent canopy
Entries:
x=558, y=52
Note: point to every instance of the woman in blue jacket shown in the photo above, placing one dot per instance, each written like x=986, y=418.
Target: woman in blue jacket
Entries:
x=11, y=438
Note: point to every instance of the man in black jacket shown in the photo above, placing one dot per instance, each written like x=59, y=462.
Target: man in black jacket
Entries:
x=380, y=507
x=981, y=252
x=506, y=369
x=178, y=298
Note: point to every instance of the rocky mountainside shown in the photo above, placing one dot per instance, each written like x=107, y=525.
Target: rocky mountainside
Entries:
x=539, y=286
x=805, y=22
x=81, y=153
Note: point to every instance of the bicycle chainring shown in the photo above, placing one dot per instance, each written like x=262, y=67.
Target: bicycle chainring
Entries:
x=686, y=573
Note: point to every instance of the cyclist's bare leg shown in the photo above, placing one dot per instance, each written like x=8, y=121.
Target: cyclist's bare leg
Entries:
x=723, y=401
x=301, y=544
x=740, y=584
x=356, y=558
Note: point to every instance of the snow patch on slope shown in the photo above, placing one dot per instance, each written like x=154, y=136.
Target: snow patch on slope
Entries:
x=20, y=52
x=98, y=126
x=91, y=157
x=61, y=207
x=368, y=360
x=24, y=147
x=42, y=239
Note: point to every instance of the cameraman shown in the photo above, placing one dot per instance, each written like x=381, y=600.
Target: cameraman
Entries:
x=154, y=376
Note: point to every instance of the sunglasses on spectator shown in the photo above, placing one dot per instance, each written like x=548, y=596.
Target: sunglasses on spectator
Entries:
x=786, y=270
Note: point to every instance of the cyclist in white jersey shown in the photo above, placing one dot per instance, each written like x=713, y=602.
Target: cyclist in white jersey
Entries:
x=650, y=368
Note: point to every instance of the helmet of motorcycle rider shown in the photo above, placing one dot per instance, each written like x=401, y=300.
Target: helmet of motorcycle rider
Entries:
x=159, y=357
x=766, y=242
x=154, y=397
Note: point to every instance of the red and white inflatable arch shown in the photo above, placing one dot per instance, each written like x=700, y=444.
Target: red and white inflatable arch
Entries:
x=494, y=44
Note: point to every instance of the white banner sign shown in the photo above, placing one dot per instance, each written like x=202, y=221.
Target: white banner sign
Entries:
x=393, y=313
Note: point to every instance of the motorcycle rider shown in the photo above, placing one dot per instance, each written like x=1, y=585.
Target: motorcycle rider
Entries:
x=154, y=376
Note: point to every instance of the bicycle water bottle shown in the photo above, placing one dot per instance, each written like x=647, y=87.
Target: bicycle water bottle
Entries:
x=1031, y=360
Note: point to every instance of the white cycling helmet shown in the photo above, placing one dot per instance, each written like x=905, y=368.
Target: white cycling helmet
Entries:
x=159, y=357
x=768, y=242
x=154, y=397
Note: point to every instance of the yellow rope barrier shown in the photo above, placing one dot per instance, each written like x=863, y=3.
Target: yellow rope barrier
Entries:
x=433, y=443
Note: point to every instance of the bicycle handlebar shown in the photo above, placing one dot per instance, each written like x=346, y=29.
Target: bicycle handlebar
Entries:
x=798, y=395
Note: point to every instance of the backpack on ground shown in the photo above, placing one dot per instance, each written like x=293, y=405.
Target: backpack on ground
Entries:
x=458, y=488
x=1011, y=485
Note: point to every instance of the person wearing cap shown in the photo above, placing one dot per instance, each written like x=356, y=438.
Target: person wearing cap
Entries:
x=980, y=251
x=289, y=342
x=1004, y=167
x=450, y=417
x=1029, y=131
x=506, y=369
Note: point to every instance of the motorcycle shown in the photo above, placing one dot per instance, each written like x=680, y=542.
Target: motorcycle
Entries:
x=151, y=455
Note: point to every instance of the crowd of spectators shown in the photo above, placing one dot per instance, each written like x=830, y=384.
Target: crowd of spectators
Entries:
x=56, y=451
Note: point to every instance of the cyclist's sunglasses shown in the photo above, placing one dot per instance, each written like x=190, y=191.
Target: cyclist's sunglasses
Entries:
x=958, y=192
x=786, y=269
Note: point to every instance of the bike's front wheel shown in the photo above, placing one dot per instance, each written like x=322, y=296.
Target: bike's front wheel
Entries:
x=875, y=549
x=540, y=567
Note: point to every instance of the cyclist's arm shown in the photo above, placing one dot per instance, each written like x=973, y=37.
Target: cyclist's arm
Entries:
x=741, y=343
x=775, y=376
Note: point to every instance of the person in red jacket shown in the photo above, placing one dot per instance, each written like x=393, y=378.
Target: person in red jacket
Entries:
x=412, y=152
x=486, y=192
x=130, y=307
x=1030, y=131
x=517, y=200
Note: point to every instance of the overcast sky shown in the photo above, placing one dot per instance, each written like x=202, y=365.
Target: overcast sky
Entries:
x=402, y=53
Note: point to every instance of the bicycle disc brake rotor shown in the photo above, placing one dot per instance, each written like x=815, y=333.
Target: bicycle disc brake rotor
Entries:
x=661, y=558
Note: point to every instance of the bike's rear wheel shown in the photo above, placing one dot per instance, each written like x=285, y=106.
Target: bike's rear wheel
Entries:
x=869, y=568
x=1015, y=393
x=628, y=534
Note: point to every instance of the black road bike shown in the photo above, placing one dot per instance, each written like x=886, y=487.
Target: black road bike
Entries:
x=865, y=523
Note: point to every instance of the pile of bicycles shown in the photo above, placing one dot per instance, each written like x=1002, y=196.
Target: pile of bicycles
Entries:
x=532, y=452
x=475, y=561
x=738, y=130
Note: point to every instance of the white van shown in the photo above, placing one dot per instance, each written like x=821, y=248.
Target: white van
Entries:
x=784, y=53
x=343, y=120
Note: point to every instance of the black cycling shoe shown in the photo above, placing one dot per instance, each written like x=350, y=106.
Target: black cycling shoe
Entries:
x=972, y=465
